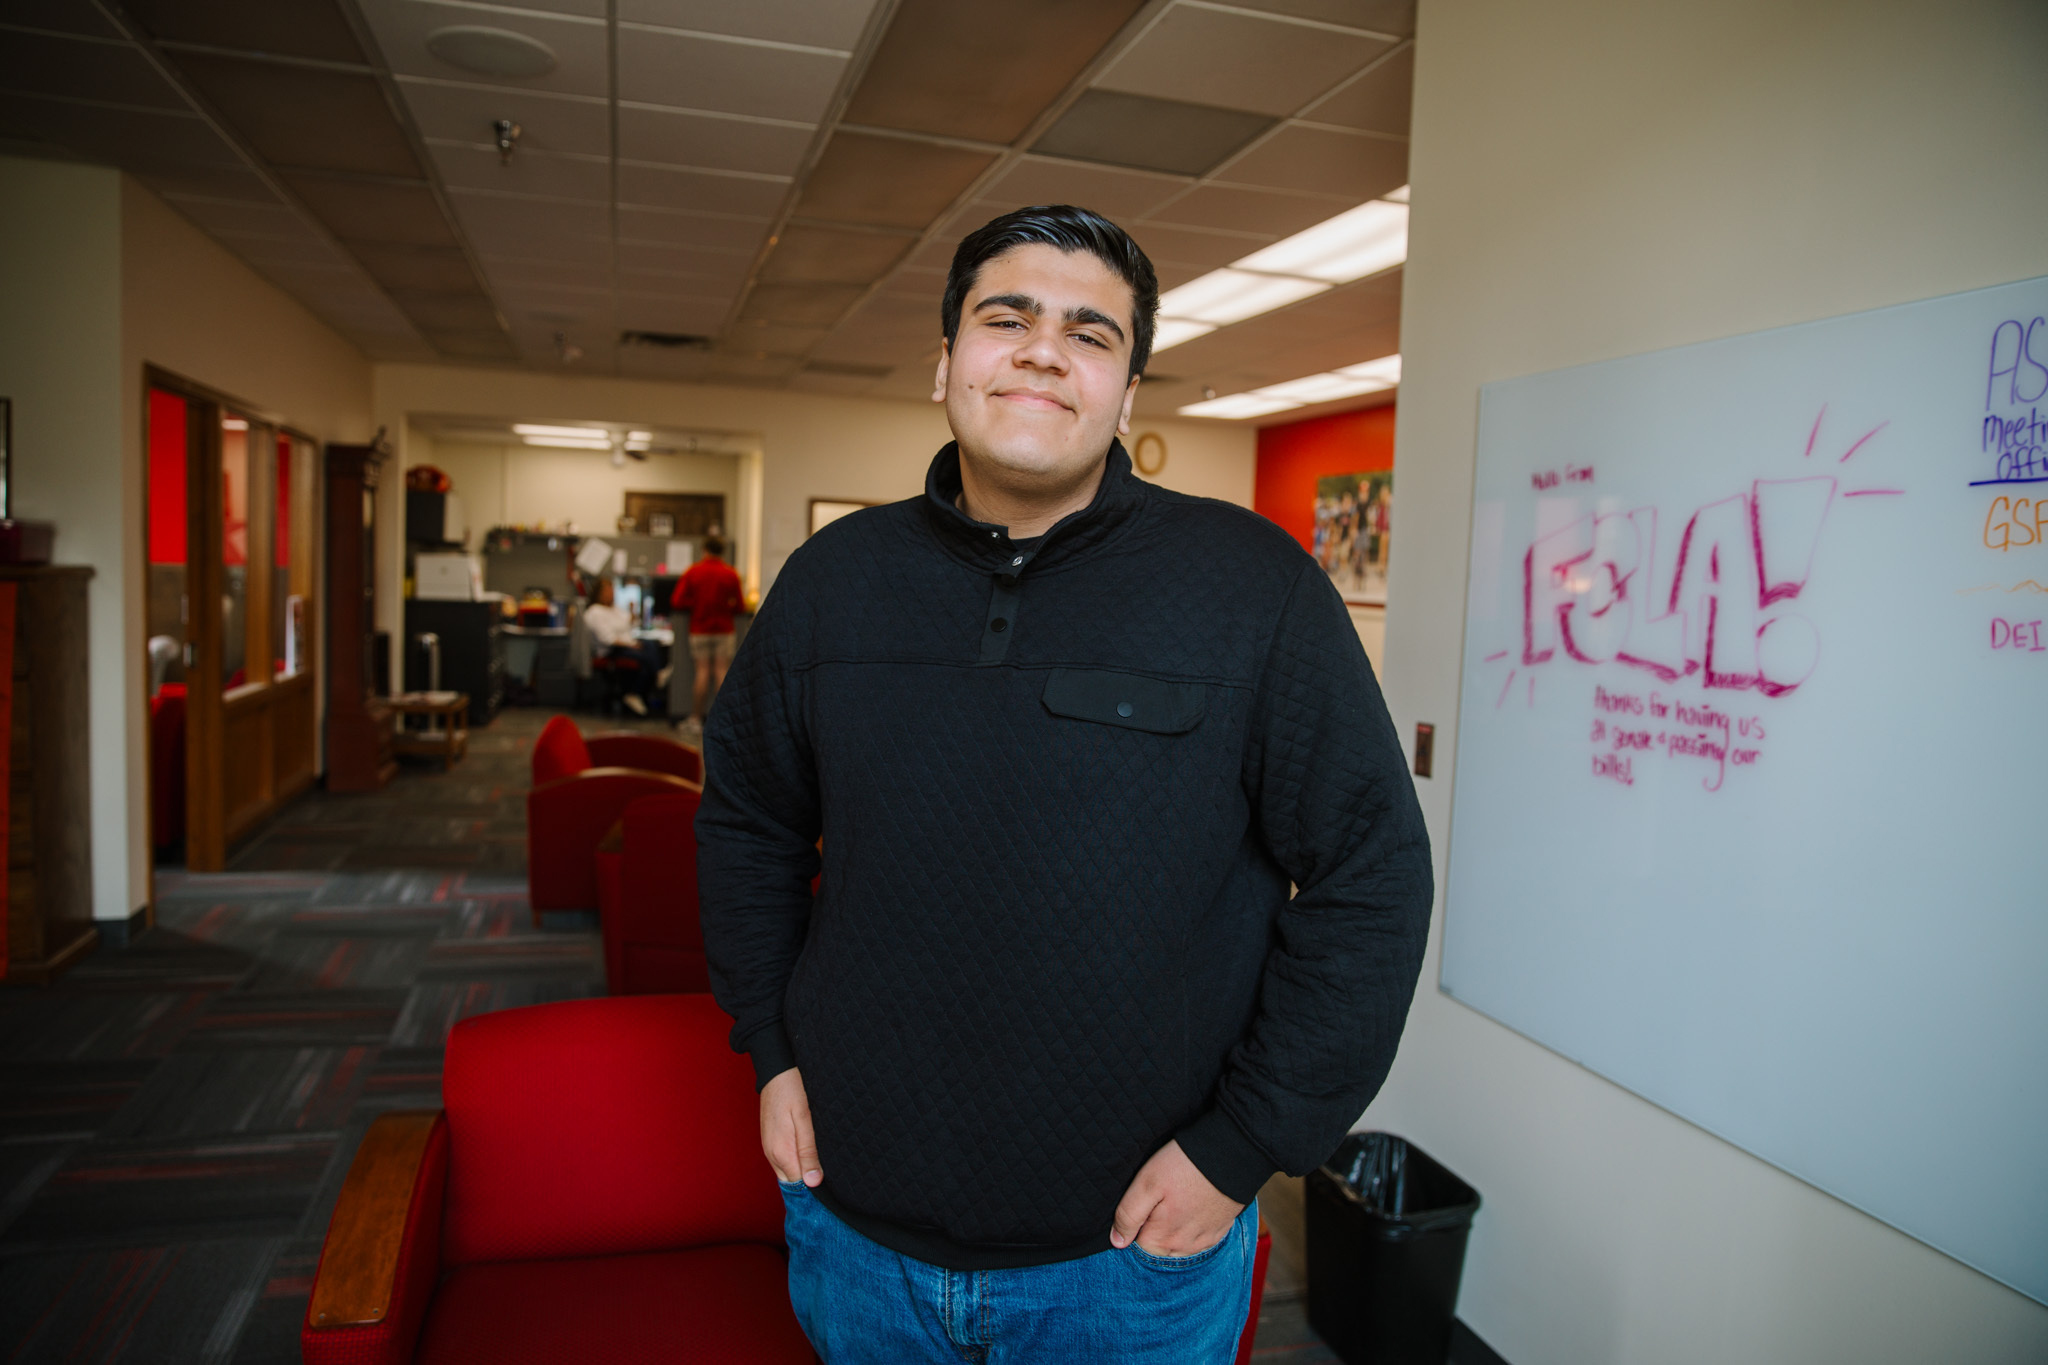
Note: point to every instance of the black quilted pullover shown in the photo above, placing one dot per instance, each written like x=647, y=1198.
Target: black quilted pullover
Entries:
x=1063, y=787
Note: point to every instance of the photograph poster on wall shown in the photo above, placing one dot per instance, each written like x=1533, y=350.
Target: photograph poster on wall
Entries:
x=1354, y=526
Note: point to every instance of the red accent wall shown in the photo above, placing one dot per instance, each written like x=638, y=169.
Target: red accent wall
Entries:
x=166, y=478
x=1293, y=455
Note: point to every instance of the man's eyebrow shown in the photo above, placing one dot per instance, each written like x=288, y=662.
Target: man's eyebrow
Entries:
x=1024, y=303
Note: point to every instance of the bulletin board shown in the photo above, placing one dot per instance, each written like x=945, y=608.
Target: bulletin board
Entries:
x=1751, y=805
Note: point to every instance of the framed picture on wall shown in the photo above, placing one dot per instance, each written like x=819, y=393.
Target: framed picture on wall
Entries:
x=1354, y=516
x=689, y=514
x=825, y=511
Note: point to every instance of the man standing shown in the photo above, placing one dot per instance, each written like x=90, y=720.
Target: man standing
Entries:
x=1052, y=1018
x=710, y=591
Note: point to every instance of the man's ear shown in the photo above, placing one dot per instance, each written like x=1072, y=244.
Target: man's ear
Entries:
x=939, y=380
x=1123, y=420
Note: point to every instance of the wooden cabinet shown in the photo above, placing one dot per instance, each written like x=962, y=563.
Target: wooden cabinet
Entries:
x=49, y=791
x=360, y=724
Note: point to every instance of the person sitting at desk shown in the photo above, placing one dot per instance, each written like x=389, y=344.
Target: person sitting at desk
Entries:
x=611, y=629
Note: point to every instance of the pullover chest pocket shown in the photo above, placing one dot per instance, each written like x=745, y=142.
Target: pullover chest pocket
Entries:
x=1126, y=700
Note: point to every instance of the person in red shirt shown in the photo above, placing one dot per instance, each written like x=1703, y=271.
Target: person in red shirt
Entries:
x=710, y=592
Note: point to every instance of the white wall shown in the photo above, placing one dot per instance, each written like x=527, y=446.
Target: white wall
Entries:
x=517, y=485
x=60, y=361
x=1596, y=178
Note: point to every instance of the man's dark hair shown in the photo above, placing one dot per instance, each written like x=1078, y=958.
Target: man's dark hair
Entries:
x=1069, y=229
x=713, y=545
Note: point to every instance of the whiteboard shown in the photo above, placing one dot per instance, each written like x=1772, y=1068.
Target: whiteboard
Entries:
x=1751, y=805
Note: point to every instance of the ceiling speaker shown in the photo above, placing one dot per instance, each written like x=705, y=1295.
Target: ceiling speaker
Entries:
x=491, y=51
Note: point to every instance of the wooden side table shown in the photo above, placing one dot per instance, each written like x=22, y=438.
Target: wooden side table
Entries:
x=447, y=734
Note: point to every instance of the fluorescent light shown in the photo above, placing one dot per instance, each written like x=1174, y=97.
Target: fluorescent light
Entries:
x=1386, y=369
x=639, y=435
x=568, y=443
x=235, y=424
x=1173, y=331
x=1237, y=405
x=1225, y=296
x=583, y=433
x=1321, y=388
x=1356, y=243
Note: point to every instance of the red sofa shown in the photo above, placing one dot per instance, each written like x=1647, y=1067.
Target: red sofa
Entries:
x=593, y=1190
x=648, y=896
x=575, y=801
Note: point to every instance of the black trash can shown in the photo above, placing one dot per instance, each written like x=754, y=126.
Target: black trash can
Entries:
x=1386, y=1245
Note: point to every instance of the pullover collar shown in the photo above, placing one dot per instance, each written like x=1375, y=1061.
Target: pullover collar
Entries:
x=988, y=547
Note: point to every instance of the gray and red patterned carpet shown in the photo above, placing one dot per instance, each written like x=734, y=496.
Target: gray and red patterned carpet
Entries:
x=176, y=1116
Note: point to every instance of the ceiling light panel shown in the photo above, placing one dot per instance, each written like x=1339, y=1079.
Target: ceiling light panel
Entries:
x=1237, y=406
x=1225, y=296
x=1173, y=331
x=1321, y=388
x=1238, y=60
x=1359, y=242
x=1387, y=369
x=564, y=443
x=579, y=433
x=1268, y=213
x=680, y=70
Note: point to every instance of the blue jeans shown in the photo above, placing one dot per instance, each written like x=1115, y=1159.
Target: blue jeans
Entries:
x=860, y=1302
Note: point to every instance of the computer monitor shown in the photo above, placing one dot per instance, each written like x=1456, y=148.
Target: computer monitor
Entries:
x=627, y=598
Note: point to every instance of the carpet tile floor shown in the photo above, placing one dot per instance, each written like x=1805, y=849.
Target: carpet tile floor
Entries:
x=176, y=1116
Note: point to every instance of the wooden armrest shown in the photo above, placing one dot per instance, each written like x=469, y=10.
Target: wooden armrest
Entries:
x=359, y=1265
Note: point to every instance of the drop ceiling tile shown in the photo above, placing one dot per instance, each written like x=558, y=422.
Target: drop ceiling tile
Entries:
x=499, y=224
x=918, y=282
x=314, y=284
x=230, y=215
x=1355, y=166
x=137, y=140
x=663, y=362
x=1115, y=194
x=1192, y=247
x=1254, y=211
x=754, y=336
x=287, y=252
x=810, y=379
x=977, y=68
x=1377, y=16
x=683, y=71
x=587, y=9
x=937, y=254
x=704, y=232
x=656, y=259
x=468, y=312
x=659, y=313
x=525, y=306
x=41, y=64
x=801, y=305
x=530, y=172
x=677, y=187
x=1376, y=101
x=724, y=286
x=429, y=269
x=1147, y=133
x=370, y=211
x=754, y=368
x=511, y=272
x=293, y=28
x=458, y=112
x=808, y=254
x=208, y=182
x=887, y=182
x=889, y=329
x=62, y=16
x=470, y=345
x=1239, y=61
x=582, y=66
x=813, y=23
x=305, y=117
x=680, y=137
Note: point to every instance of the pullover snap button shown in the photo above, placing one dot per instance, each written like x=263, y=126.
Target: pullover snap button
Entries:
x=1123, y=708
x=999, y=625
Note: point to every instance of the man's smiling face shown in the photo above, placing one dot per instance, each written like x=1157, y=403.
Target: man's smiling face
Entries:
x=1038, y=380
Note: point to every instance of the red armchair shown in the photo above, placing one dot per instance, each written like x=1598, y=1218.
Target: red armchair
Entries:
x=594, y=1190
x=562, y=749
x=574, y=803
x=652, y=941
